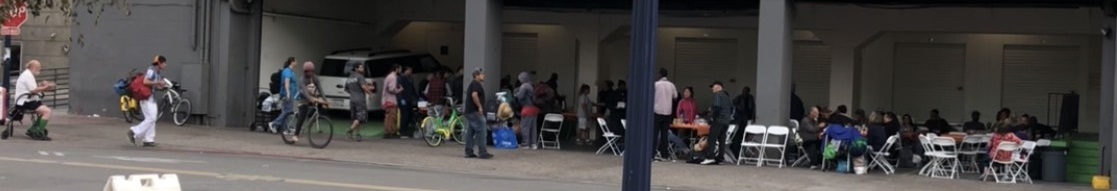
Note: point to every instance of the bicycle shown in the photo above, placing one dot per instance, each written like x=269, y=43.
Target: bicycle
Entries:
x=172, y=99
x=443, y=130
x=319, y=125
x=129, y=106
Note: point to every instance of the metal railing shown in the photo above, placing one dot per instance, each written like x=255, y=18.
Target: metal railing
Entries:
x=60, y=96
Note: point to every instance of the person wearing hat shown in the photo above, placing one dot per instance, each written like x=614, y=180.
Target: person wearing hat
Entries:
x=722, y=114
x=311, y=97
x=476, y=131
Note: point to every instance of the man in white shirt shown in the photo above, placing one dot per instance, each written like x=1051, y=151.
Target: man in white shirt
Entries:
x=27, y=92
x=665, y=93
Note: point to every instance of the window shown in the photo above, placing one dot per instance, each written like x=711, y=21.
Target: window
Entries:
x=335, y=67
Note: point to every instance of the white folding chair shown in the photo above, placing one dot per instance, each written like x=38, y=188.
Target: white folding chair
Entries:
x=946, y=152
x=929, y=155
x=1021, y=160
x=1007, y=173
x=968, y=152
x=801, y=155
x=552, y=124
x=752, y=132
x=880, y=156
x=610, y=138
x=729, y=156
x=776, y=138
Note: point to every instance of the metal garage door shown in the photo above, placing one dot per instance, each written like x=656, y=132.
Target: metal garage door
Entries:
x=1031, y=72
x=700, y=61
x=520, y=52
x=811, y=72
x=929, y=76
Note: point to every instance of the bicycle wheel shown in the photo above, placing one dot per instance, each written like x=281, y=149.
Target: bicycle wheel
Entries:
x=320, y=132
x=181, y=112
x=124, y=108
x=163, y=106
x=457, y=129
x=291, y=120
x=431, y=123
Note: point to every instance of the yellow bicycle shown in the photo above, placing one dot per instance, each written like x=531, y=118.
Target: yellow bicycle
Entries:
x=443, y=129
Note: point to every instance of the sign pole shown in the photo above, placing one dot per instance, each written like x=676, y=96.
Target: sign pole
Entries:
x=8, y=64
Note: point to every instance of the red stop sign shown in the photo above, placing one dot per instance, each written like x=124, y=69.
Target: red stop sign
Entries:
x=14, y=19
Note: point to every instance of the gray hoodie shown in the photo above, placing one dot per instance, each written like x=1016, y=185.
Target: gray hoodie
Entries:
x=525, y=94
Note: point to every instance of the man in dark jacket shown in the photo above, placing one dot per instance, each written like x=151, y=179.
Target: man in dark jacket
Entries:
x=722, y=110
x=796, y=105
x=604, y=97
x=746, y=107
x=408, y=100
x=457, y=85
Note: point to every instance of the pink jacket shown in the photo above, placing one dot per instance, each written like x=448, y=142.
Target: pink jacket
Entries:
x=392, y=86
x=687, y=110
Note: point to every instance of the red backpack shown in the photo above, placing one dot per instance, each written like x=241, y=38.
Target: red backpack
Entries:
x=138, y=89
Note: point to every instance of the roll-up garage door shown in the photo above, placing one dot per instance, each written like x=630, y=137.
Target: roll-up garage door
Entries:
x=520, y=52
x=701, y=61
x=929, y=76
x=811, y=72
x=1031, y=72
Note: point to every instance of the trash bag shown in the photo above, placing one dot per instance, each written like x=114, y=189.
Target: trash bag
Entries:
x=505, y=138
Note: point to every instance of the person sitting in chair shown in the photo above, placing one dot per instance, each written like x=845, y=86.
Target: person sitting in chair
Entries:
x=27, y=92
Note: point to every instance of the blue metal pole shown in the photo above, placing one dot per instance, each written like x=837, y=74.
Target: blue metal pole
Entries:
x=8, y=66
x=638, y=153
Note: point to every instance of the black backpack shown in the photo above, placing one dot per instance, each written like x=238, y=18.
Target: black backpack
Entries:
x=275, y=84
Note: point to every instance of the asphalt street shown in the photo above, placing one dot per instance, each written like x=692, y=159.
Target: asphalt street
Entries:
x=47, y=167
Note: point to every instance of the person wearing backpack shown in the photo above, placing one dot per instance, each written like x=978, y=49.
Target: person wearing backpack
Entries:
x=288, y=92
x=26, y=85
x=142, y=90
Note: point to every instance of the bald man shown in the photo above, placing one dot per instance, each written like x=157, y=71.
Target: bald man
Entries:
x=28, y=91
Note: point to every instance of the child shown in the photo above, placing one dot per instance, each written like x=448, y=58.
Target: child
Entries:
x=584, y=111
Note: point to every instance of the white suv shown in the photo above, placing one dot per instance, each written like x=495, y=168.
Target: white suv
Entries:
x=337, y=67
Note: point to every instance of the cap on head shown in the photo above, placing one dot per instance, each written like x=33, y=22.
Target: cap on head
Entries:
x=478, y=71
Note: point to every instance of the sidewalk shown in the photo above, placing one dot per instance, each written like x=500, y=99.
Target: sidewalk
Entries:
x=83, y=131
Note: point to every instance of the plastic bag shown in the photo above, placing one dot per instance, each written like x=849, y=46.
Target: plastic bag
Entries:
x=505, y=138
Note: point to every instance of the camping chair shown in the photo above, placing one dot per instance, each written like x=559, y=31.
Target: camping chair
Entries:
x=610, y=138
x=552, y=124
x=880, y=155
x=749, y=141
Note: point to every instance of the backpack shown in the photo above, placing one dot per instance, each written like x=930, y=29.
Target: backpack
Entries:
x=139, y=90
x=274, y=85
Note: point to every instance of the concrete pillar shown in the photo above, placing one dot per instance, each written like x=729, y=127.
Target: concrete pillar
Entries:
x=773, y=70
x=482, y=41
x=1108, y=85
x=845, y=52
x=587, y=38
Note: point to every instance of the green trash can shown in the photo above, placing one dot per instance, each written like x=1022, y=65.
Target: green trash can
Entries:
x=1054, y=164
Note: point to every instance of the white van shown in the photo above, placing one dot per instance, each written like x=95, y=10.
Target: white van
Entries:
x=336, y=68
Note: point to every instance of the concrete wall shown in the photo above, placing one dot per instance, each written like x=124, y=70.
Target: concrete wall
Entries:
x=44, y=38
x=983, y=71
x=121, y=42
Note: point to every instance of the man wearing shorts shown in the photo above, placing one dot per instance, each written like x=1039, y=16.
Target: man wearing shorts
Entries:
x=358, y=88
x=26, y=90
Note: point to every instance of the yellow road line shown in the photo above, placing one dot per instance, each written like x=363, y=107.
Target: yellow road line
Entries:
x=220, y=175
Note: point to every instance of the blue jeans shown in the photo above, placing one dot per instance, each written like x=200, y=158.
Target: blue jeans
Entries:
x=281, y=120
x=475, y=134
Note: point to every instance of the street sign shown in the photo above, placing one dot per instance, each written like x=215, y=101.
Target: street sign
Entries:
x=14, y=19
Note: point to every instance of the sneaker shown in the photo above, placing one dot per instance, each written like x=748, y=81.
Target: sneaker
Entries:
x=485, y=156
x=294, y=138
x=813, y=167
x=533, y=147
x=471, y=155
x=660, y=159
x=271, y=127
x=349, y=134
x=709, y=162
x=132, y=137
x=150, y=144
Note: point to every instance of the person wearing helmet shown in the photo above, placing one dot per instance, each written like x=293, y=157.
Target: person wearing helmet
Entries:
x=311, y=97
